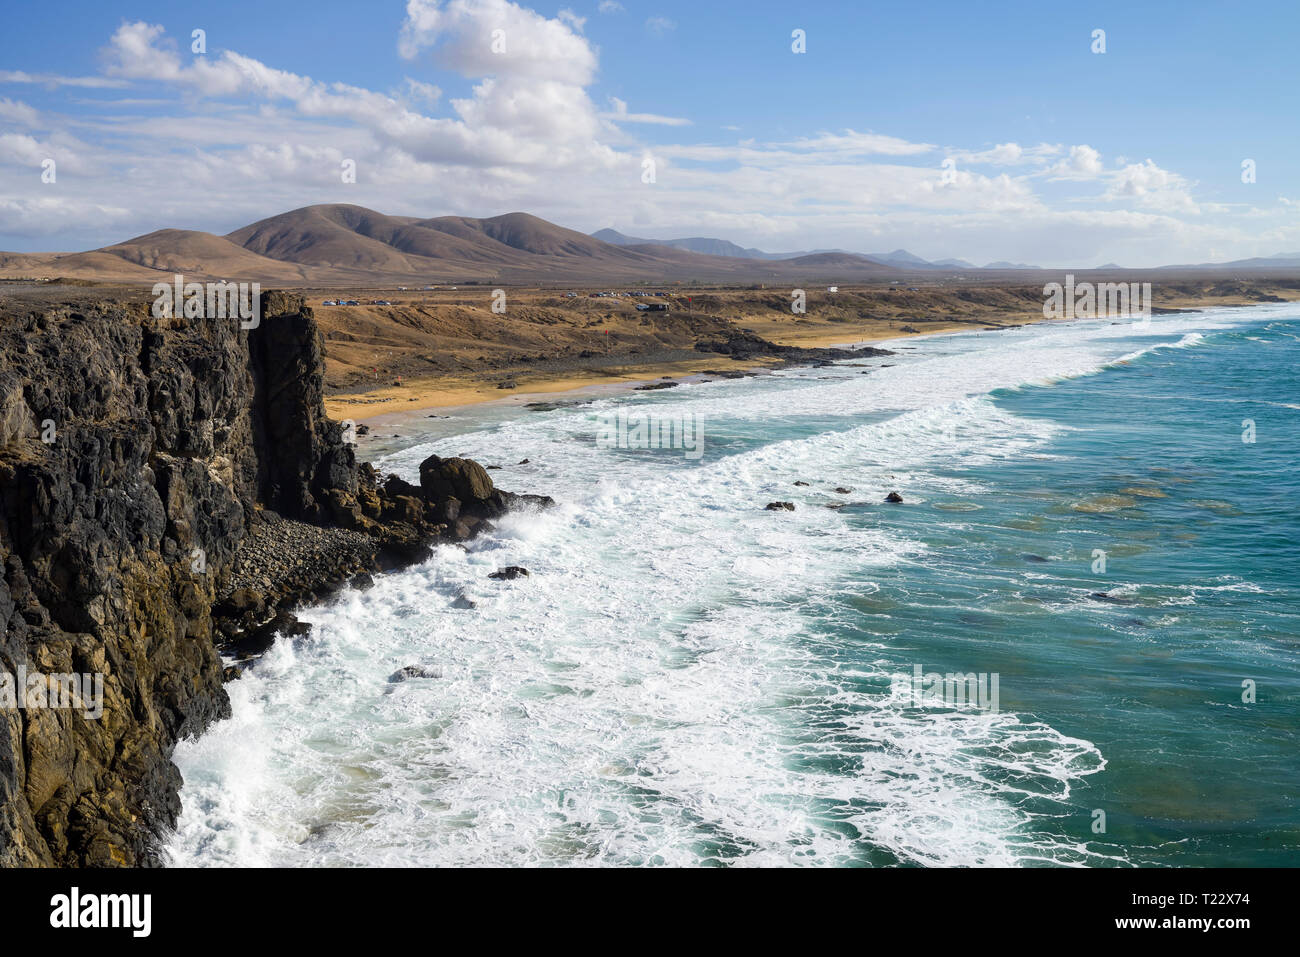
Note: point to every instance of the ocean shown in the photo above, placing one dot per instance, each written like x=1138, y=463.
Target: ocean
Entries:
x=1100, y=517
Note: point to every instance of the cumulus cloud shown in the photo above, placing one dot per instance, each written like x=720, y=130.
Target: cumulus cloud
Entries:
x=497, y=38
x=1082, y=163
x=526, y=133
x=1146, y=184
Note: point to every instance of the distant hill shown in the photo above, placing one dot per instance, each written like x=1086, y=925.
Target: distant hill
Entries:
x=338, y=244
x=345, y=245
x=899, y=258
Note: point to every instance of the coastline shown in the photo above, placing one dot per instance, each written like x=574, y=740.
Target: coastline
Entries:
x=435, y=393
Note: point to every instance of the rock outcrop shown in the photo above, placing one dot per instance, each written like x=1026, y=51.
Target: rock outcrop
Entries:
x=141, y=459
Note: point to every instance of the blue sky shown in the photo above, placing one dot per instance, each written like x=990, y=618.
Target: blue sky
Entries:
x=1057, y=155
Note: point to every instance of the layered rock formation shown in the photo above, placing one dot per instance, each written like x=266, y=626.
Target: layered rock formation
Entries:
x=139, y=459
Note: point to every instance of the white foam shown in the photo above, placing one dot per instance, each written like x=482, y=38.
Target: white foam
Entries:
x=668, y=685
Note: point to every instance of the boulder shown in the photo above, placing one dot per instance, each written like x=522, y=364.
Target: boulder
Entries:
x=460, y=478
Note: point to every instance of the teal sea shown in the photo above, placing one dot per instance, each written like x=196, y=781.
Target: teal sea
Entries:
x=1102, y=515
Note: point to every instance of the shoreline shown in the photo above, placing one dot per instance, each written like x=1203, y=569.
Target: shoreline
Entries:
x=395, y=404
x=439, y=393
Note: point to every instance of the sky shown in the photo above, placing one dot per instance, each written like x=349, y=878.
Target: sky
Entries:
x=995, y=131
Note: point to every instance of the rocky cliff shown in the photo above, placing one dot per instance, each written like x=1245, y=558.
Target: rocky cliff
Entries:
x=145, y=465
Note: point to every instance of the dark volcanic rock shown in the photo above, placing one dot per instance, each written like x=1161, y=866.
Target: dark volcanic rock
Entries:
x=779, y=506
x=1113, y=599
x=894, y=498
x=463, y=479
x=510, y=572
x=193, y=490
x=413, y=671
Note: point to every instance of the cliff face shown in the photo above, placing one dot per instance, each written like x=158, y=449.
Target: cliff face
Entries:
x=135, y=456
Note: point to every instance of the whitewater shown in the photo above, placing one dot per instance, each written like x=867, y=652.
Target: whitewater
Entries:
x=684, y=678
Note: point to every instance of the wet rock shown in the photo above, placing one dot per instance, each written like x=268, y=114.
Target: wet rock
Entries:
x=459, y=478
x=779, y=506
x=800, y=483
x=196, y=488
x=843, y=491
x=413, y=671
x=1112, y=599
x=510, y=573
x=894, y=498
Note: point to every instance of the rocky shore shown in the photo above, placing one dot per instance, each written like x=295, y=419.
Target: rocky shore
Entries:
x=171, y=488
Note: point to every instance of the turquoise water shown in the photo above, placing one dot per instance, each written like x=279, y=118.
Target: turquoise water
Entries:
x=688, y=679
x=1202, y=542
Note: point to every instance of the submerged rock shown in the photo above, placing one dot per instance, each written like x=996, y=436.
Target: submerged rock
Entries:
x=1113, y=599
x=413, y=671
x=894, y=498
x=510, y=573
x=779, y=506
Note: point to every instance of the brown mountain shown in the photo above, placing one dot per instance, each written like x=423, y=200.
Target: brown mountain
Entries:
x=349, y=245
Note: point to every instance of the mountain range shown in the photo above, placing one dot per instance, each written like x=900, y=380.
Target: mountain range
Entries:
x=337, y=245
x=351, y=245
x=899, y=258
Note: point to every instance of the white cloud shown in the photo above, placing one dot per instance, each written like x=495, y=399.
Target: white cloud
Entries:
x=854, y=143
x=660, y=25
x=621, y=115
x=1007, y=154
x=55, y=80
x=1083, y=163
x=528, y=135
x=610, y=6
x=16, y=111
x=418, y=92
x=1146, y=184
x=461, y=33
x=572, y=19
